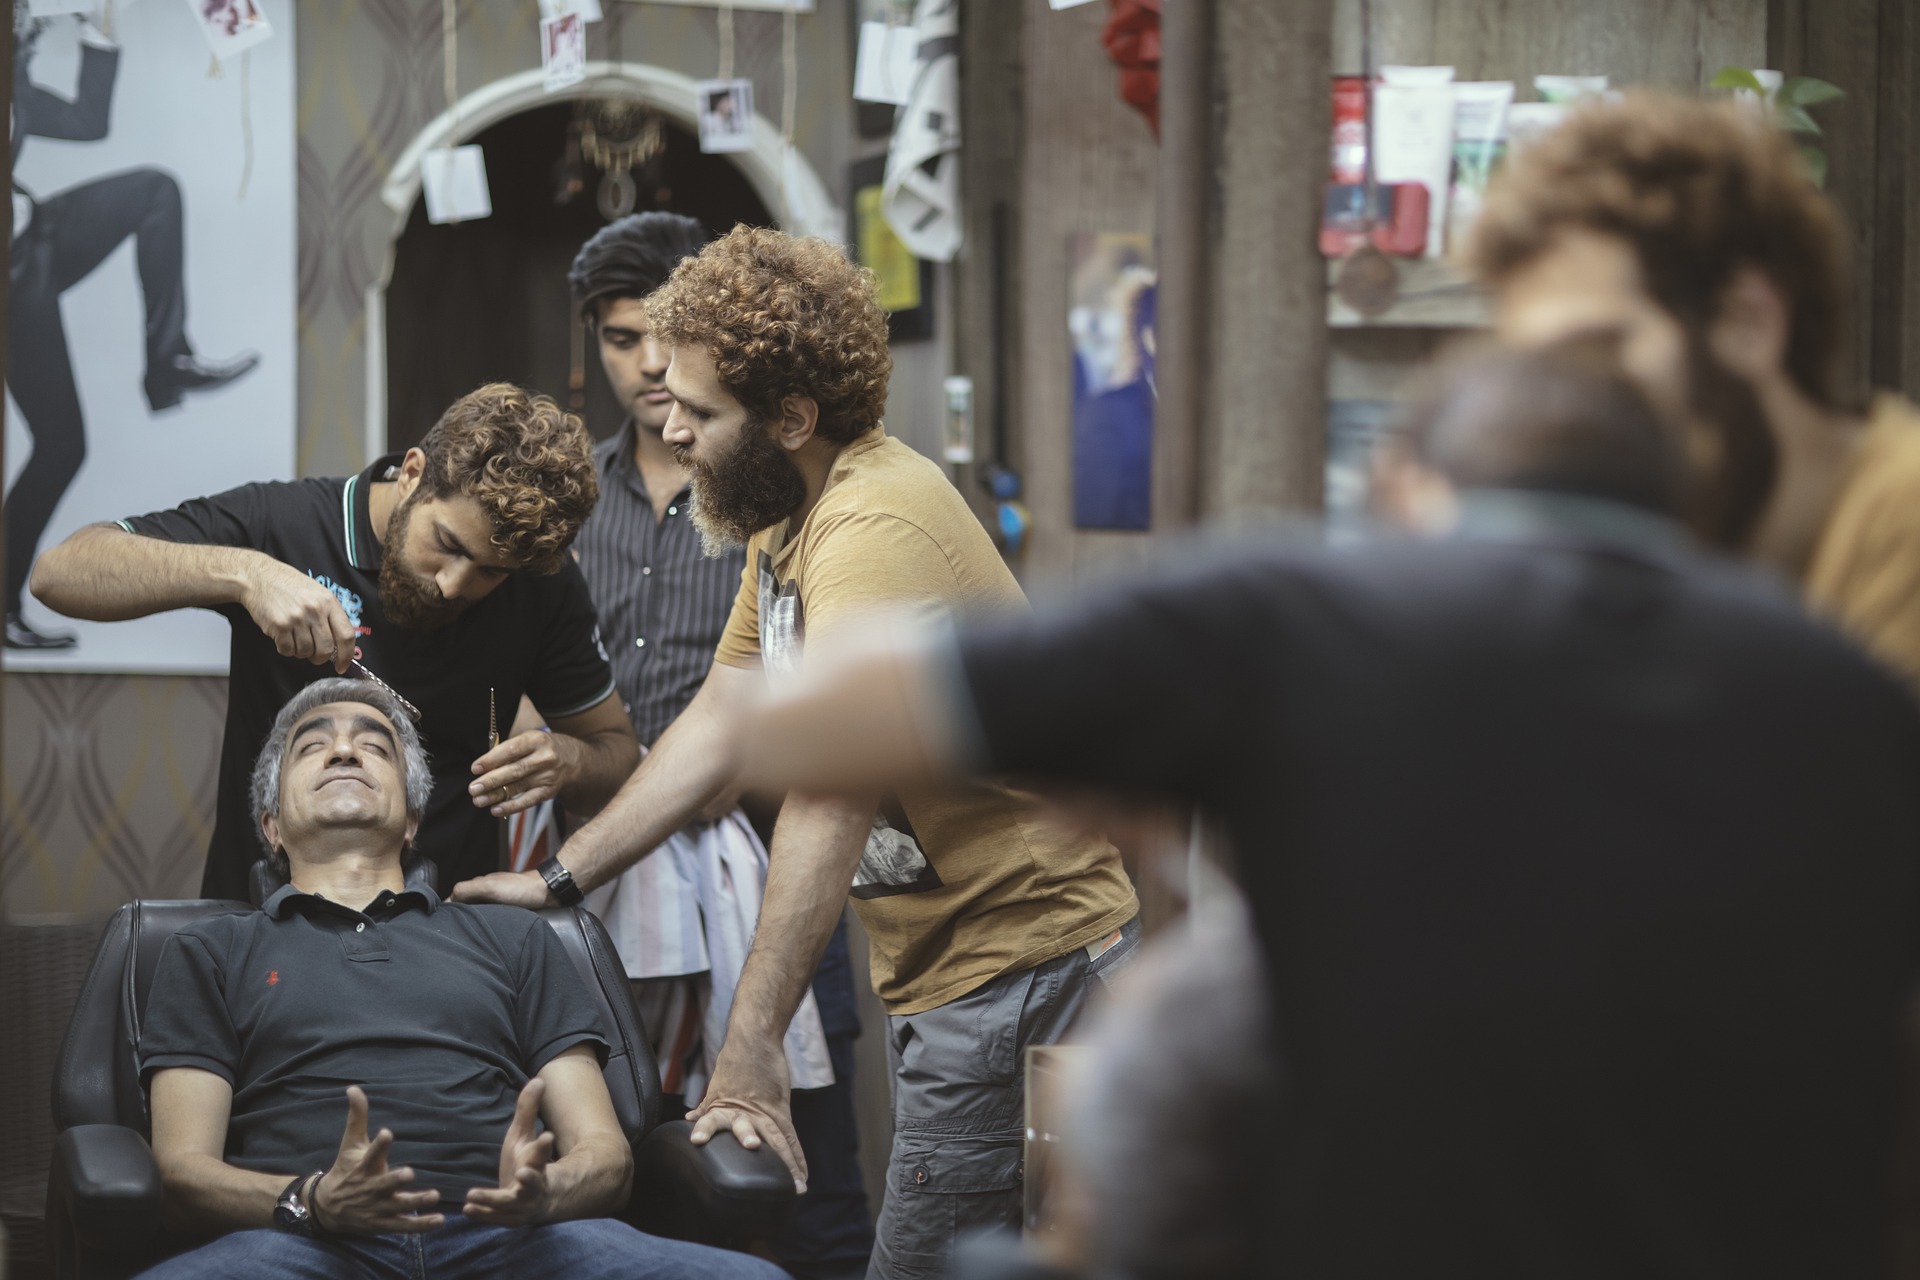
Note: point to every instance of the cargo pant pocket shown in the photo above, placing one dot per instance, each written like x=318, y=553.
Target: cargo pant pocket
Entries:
x=946, y=1186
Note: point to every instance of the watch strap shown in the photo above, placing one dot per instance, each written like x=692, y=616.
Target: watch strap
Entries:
x=560, y=883
x=307, y=1189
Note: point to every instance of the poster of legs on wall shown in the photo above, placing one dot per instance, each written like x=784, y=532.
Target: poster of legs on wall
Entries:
x=1110, y=315
x=151, y=316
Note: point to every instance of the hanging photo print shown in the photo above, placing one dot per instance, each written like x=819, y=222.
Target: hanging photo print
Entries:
x=726, y=115
x=1111, y=318
x=588, y=10
x=563, y=50
x=230, y=26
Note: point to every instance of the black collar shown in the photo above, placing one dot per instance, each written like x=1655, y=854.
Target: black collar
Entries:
x=287, y=899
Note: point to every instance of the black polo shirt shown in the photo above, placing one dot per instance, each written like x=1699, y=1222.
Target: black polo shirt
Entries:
x=533, y=634
x=440, y=1011
x=663, y=600
x=1588, y=871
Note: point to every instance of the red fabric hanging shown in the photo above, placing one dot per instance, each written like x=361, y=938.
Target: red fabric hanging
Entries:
x=1132, y=38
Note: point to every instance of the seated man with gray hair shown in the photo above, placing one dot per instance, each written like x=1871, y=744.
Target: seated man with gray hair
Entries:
x=452, y=1034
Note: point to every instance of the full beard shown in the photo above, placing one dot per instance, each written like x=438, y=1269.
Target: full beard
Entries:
x=409, y=599
x=751, y=487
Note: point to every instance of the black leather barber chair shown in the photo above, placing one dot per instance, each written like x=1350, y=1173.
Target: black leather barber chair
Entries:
x=103, y=1194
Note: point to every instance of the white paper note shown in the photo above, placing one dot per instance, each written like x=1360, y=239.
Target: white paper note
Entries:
x=455, y=183
x=885, y=64
x=589, y=10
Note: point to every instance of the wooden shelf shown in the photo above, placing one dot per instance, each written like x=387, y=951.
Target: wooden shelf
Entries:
x=1433, y=295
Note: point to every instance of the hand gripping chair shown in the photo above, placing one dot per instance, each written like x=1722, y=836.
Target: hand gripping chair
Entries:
x=103, y=1194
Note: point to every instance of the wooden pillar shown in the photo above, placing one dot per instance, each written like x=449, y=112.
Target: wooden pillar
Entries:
x=1268, y=332
x=987, y=332
x=1182, y=214
x=1240, y=211
x=1866, y=47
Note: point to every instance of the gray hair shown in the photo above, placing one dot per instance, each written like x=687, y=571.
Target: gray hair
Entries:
x=266, y=770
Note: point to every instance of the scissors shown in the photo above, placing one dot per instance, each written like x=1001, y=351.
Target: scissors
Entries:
x=493, y=738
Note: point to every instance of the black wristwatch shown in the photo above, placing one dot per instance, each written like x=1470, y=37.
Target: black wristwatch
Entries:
x=291, y=1212
x=560, y=882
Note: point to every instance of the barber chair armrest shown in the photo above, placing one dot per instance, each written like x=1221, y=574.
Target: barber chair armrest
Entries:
x=105, y=1188
x=720, y=1193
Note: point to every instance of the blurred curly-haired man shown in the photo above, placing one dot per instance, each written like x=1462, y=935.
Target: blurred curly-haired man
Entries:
x=443, y=570
x=1693, y=228
x=987, y=926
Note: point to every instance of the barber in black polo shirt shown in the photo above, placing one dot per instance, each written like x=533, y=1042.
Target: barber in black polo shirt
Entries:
x=449, y=1032
x=443, y=571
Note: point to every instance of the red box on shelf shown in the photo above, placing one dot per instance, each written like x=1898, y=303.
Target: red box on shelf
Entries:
x=1399, y=218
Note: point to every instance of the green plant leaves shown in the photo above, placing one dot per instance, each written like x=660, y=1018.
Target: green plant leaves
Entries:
x=1794, y=119
x=1738, y=78
x=1806, y=91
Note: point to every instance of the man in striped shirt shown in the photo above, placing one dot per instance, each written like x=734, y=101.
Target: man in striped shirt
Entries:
x=663, y=604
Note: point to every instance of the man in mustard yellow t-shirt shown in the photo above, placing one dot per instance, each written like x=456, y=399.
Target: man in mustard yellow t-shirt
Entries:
x=1692, y=229
x=987, y=925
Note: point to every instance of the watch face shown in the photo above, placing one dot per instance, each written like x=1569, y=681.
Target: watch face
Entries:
x=288, y=1213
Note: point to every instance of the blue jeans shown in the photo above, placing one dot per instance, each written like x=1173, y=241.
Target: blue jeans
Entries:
x=583, y=1250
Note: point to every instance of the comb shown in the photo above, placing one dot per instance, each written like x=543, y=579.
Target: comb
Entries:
x=405, y=706
x=493, y=724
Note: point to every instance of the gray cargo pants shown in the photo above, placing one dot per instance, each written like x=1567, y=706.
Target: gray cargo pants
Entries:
x=959, y=1101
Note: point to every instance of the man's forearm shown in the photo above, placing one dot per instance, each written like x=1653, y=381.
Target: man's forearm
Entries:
x=816, y=846
x=590, y=1181
x=602, y=762
x=690, y=764
x=201, y=1192
x=105, y=574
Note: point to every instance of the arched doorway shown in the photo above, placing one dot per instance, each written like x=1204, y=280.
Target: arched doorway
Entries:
x=487, y=300
x=788, y=191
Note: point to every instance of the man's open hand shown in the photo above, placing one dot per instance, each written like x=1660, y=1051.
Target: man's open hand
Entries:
x=515, y=888
x=749, y=1095
x=524, y=1197
x=301, y=617
x=522, y=771
x=360, y=1196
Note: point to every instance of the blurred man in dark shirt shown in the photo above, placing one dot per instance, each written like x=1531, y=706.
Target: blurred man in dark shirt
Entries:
x=1584, y=866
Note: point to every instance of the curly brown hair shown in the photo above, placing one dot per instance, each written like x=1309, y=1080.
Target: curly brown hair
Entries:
x=1698, y=189
x=528, y=464
x=782, y=315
